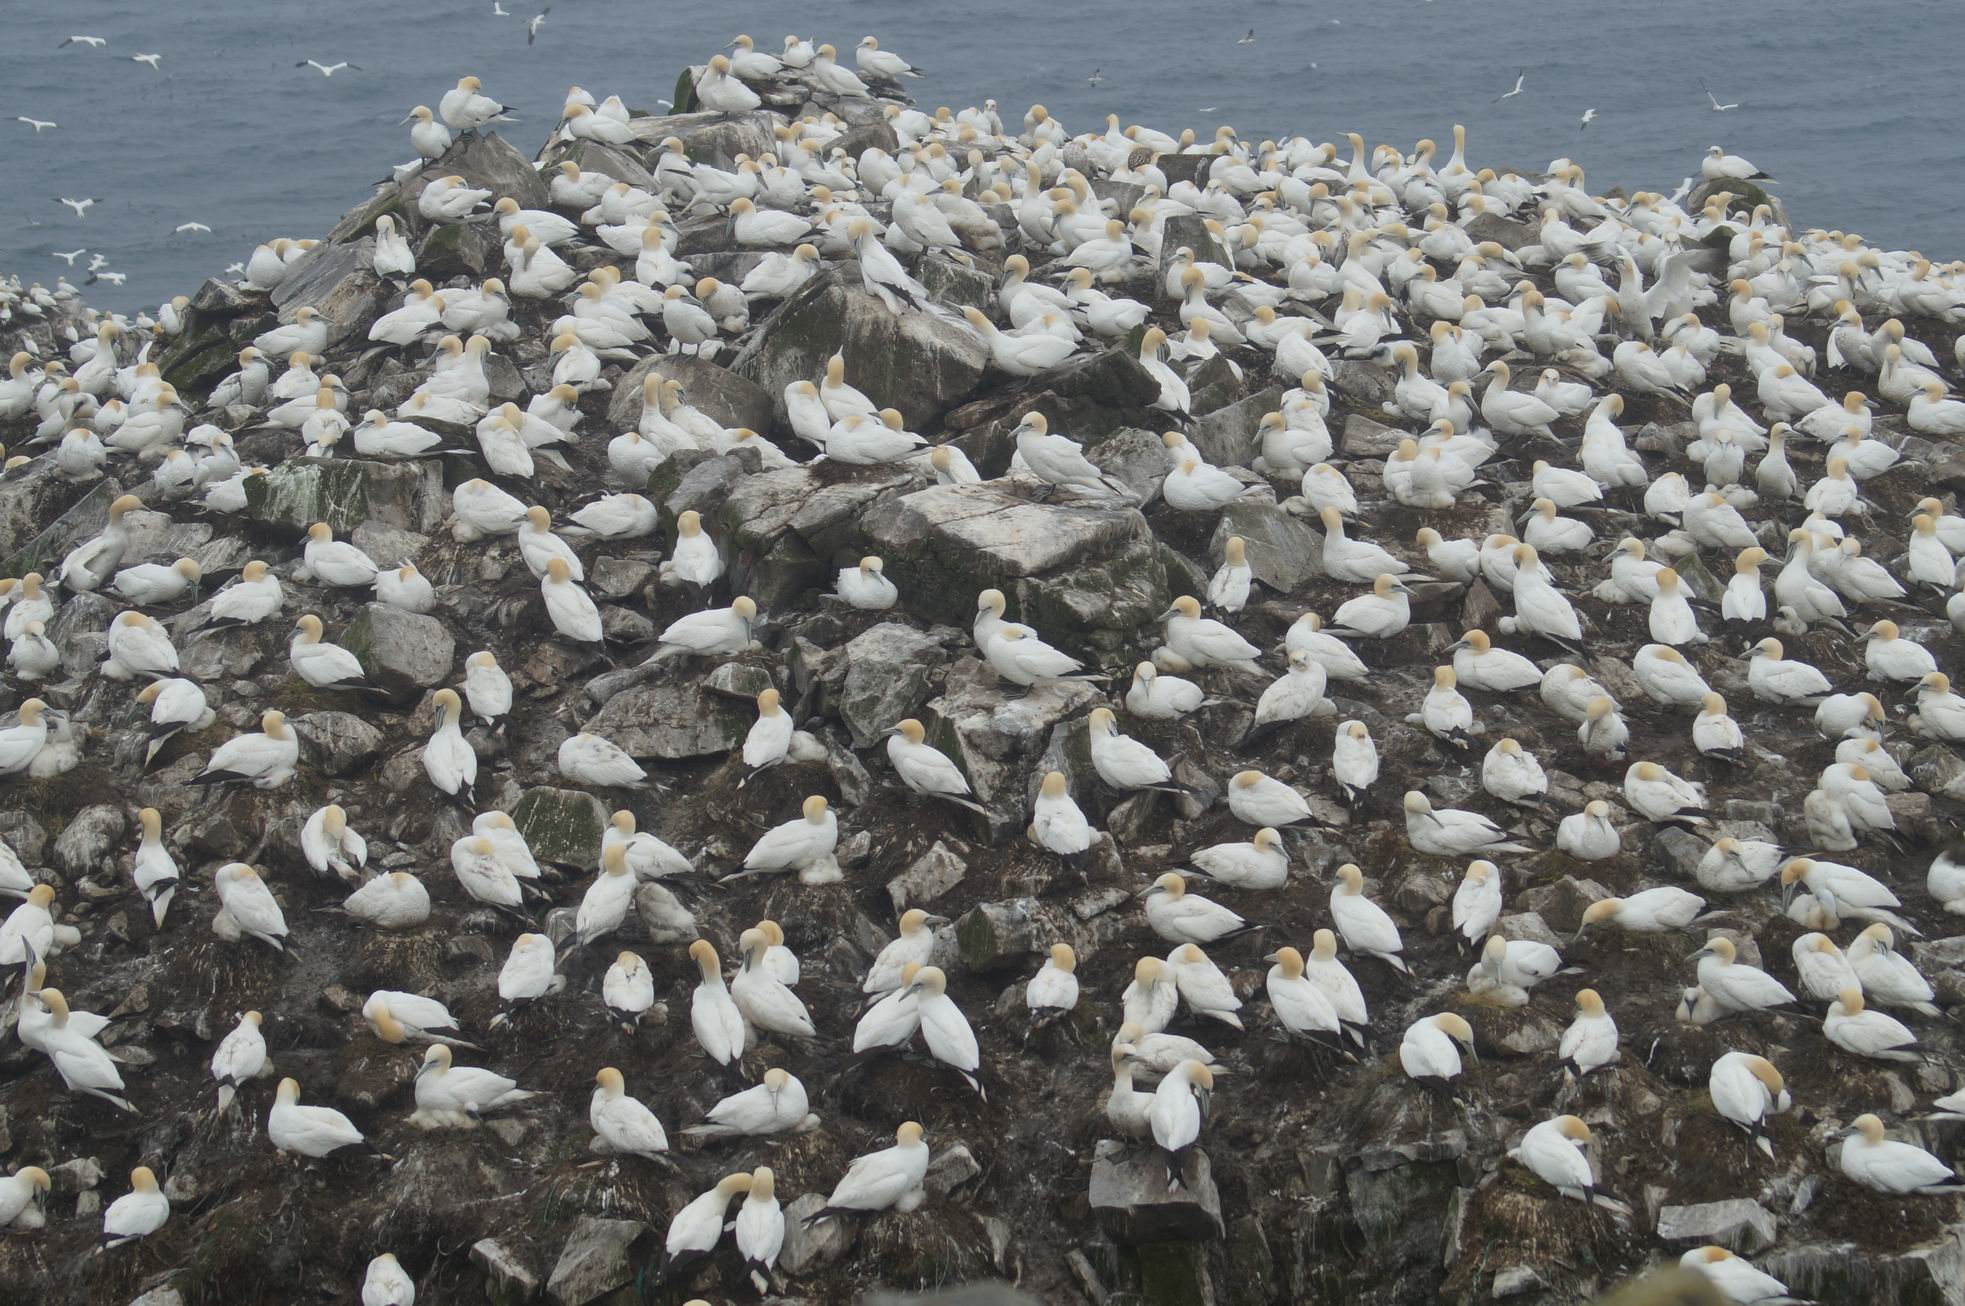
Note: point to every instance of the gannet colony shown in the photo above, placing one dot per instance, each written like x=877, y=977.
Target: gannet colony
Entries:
x=806, y=696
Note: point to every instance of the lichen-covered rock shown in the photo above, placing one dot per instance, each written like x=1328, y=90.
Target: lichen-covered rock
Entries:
x=562, y=825
x=339, y=491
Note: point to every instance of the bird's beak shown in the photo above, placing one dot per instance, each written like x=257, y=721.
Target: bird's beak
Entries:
x=1148, y=891
x=1703, y=952
x=1456, y=645
x=1270, y=958
x=1168, y=615
x=407, y=120
x=934, y=920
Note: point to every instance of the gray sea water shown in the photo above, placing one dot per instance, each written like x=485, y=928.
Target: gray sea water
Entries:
x=1848, y=106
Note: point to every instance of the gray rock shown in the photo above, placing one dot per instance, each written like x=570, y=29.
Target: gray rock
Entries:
x=917, y=363
x=1092, y=568
x=1844, y=1272
x=1738, y=1224
x=339, y=281
x=1001, y=935
x=931, y=875
x=562, y=825
x=160, y=1297
x=1505, y=232
x=391, y=546
x=484, y=161
x=713, y=138
x=473, y=250
x=950, y=283
x=949, y=1169
x=402, y=651
x=810, y=1247
x=731, y=399
x=339, y=491
x=1135, y=457
x=782, y=528
x=996, y=740
x=1110, y=378
x=32, y=502
x=508, y=1281
x=91, y=839
x=672, y=720
x=888, y=668
x=1130, y=1199
x=338, y=743
x=1516, y=1281
x=618, y=578
x=71, y=1178
x=1227, y=435
x=1184, y=229
x=594, y=1260
x=1283, y=552
x=1365, y=438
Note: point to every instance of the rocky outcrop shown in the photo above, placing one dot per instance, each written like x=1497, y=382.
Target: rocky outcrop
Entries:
x=917, y=363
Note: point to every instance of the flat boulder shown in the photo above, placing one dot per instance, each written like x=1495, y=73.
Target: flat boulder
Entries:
x=1090, y=568
x=1131, y=1201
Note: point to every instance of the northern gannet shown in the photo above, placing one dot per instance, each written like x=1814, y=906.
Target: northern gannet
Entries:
x=1891, y=1167
x=454, y=1097
x=136, y=1214
x=879, y=1180
x=240, y=1056
x=312, y=1131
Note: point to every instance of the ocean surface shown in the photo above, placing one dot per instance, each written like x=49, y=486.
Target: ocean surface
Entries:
x=1852, y=109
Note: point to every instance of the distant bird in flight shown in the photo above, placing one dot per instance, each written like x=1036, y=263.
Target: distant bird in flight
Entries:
x=182, y=227
x=150, y=59
x=1589, y=116
x=113, y=278
x=534, y=23
x=93, y=42
x=81, y=206
x=326, y=69
x=37, y=124
x=1249, y=39
x=235, y=269
x=71, y=255
x=97, y=262
x=1717, y=106
x=1520, y=77
x=499, y=11
x=1098, y=75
